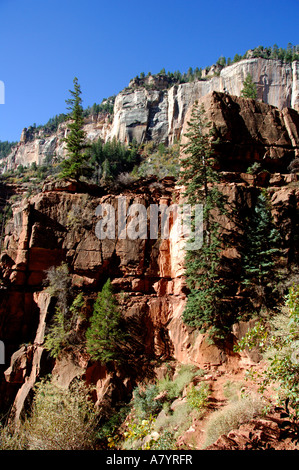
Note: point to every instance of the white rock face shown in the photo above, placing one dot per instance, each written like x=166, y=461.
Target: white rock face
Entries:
x=159, y=114
x=295, y=86
x=51, y=147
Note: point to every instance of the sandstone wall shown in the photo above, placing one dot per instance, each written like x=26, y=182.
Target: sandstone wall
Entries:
x=148, y=276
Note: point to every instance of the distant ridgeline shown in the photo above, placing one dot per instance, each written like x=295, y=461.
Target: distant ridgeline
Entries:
x=106, y=107
x=289, y=54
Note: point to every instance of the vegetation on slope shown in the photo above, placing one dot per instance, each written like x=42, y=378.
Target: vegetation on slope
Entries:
x=5, y=148
x=287, y=55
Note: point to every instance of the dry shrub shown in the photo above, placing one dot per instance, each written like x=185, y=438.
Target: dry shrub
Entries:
x=60, y=419
x=232, y=416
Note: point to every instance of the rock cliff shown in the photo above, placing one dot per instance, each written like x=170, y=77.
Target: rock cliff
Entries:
x=148, y=276
x=43, y=148
x=59, y=224
x=143, y=114
x=153, y=111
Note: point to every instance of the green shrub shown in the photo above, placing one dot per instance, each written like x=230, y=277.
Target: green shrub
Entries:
x=137, y=431
x=11, y=438
x=165, y=441
x=61, y=330
x=198, y=397
x=282, y=352
x=144, y=401
x=160, y=161
x=62, y=327
x=232, y=390
x=175, y=387
x=279, y=340
x=175, y=421
x=61, y=419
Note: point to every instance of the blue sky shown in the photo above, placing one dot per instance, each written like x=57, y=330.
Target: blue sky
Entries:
x=45, y=44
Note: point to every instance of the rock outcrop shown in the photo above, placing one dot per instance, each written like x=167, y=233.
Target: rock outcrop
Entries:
x=144, y=114
x=274, y=432
x=158, y=112
x=250, y=132
x=42, y=147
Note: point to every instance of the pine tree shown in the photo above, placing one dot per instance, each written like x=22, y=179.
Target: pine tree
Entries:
x=198, y=176
x=104, y=333
x=260, y=250
x=75, y=165
x=249, y=88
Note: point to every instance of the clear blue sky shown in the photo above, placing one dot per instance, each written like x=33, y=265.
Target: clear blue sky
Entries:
x=46, y=43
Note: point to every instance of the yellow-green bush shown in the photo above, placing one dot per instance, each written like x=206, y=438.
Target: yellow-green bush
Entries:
x=60, y=419
x=232, y=416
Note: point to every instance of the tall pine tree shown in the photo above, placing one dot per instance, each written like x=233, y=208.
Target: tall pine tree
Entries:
x=75, y=165
x=260, y=251
x=104, y=335
x=198, y=176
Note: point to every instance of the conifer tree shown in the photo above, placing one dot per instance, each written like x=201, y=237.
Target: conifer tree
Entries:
x=76, y=163
x=104, y=333
x=249, y=88
x=199, y=178
x=261, y=248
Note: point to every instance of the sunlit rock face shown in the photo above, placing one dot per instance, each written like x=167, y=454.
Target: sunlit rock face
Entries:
x=144, y=114
x=157, y=112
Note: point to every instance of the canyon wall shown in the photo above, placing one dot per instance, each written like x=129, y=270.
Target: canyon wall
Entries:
x=156, y=112
x=59, y=224
x=145, y=114
x=42, y=147
x=148, y=276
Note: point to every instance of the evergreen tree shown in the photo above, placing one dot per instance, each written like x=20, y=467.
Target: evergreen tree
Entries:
x=260, y=250
x=198, y=176
x=75, y=165
x=104, y=334
x=5, y=148
x=237, y=58
x=249, y=88
x=111, y=158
